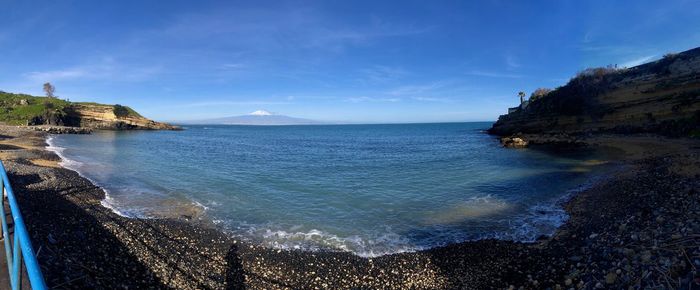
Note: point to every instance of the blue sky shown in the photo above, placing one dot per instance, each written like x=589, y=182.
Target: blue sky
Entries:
x=347, y=61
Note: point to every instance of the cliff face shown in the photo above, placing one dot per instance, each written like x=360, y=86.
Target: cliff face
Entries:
x=23, y=109
x=98, y=116
x=659, y=97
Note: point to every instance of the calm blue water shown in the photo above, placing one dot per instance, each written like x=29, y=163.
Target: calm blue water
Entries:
x=369, y=189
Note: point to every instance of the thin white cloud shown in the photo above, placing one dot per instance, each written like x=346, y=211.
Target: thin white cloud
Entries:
x=372, y=100
x=638, y=61
x=432, y=92
x=494, y=74
x=432, y=99
x=232, y=103
x=233, y=66
x=396, y=99
x=614, y=50
x=380, y=74
x=412, y=90
x=107, y=69
x=512, y=62
x=267, y=30
x=56, y=75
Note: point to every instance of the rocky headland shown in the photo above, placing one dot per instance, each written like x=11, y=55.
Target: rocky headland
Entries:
x=54, y=114
x=637, y=229
x=661, y=97
x=98, y=116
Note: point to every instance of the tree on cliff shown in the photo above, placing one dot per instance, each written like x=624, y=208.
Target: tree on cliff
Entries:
x=522, y=96
x=49, y=89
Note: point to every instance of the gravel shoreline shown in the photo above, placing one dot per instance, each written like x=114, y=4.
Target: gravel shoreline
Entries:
x=640, y=227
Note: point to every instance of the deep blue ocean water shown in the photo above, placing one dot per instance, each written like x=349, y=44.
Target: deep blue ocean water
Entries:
x=368, y=189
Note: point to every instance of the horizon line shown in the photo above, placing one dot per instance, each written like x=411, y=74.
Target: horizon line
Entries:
x=328, y=123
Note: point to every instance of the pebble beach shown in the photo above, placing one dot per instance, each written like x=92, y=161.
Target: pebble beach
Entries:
x=639, y=227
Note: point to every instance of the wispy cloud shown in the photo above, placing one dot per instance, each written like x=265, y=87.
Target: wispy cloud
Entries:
x=107, y=69
x=233, y=66
x=232, y=103
x=494, y=74
x=638, y=61
x=613, y=49
x=619, y=51
x=381, y=74
x=364, y=99
x=288, y=28
x=431, y=92
x=412, y=90
x=55, y=75
x=432, y=99
x=372, y=99
x=512, y=62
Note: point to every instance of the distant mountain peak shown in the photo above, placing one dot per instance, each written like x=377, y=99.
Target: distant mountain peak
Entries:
x=259, y=117
x=261, y=113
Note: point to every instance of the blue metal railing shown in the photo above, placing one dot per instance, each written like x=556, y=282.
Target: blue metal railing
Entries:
x=20, y=250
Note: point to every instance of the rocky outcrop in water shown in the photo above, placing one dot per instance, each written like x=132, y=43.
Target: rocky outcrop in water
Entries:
x=62, y=130
x=513, y=142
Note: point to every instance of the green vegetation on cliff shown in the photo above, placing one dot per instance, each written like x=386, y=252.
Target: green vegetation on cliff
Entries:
x=23, y=109
x=660, y=97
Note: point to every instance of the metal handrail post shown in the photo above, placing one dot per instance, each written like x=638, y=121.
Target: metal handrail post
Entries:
x=22, y=246
x=5, y=229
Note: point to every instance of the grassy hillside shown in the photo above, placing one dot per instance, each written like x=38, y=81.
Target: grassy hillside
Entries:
x=22, y=109
x=660, y=97
x=19, y=109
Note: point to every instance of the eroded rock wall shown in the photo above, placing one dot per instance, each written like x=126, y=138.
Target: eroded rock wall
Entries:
x=659, y=97
x=103, y=117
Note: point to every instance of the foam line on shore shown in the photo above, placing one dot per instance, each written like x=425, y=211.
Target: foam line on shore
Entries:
x=70, y=164
x=542, y=219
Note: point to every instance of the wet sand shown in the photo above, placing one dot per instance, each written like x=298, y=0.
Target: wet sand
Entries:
x=640, y=226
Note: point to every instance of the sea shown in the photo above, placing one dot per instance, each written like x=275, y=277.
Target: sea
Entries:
x=367, y=189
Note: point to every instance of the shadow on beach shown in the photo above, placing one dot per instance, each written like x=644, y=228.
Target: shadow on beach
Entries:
x=234, y=270
x=81, y=244
x=73, y=248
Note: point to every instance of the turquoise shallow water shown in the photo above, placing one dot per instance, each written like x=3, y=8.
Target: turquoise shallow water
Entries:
x=368, y=189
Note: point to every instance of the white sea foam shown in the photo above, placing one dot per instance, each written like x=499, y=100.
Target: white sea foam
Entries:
x=542, y=219
x=65, y=161
x=74, y=165
x=109, y=203
x=198, y=204
x=314, y=240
